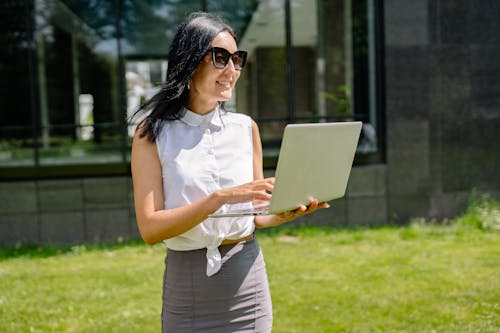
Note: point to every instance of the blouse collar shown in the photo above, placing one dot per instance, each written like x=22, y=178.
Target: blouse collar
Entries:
x=196, y=120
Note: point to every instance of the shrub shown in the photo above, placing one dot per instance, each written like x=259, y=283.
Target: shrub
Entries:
x=483, y=212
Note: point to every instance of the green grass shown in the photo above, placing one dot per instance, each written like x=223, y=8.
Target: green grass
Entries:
x=425, y=277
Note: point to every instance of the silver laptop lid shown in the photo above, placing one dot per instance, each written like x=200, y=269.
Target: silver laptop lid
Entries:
x=315, y=161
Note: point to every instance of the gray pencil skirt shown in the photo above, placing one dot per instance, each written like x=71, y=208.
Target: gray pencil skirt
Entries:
x=235, y=299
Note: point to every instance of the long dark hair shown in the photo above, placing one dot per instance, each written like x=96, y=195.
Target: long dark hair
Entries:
x=190, y=44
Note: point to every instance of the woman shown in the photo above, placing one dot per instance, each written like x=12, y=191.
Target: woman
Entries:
x=190, y=157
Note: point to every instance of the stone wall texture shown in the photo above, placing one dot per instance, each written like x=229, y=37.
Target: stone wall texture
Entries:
x=442, y=104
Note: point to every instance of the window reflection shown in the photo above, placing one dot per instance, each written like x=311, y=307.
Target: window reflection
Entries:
x=148, y=29
x=262, y=89
x=74, y=70
x=149, y=26
x=16, y=141
x=333, y=68
x=144, y=78
x=236, y=12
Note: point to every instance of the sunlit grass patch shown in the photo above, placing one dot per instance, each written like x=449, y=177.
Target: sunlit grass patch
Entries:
x=428, y=276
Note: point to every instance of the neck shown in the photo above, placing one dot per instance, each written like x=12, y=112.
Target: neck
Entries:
x=200, y=107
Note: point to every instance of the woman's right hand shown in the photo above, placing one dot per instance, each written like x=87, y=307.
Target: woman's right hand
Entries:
x=252, y=191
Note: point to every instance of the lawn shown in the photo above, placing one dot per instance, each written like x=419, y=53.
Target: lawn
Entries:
x=423, y=277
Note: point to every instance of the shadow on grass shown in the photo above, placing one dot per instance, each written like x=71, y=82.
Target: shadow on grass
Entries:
x=294, y=230
x=45, y=251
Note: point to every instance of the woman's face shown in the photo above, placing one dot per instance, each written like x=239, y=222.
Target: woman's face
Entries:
x=209, y=84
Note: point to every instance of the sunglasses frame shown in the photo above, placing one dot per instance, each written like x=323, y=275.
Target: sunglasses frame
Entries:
x=228, y=55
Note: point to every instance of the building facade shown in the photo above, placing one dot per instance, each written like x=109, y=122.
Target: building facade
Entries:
x=423, y=76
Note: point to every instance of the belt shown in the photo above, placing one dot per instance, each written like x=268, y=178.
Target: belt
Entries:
x=234, y=241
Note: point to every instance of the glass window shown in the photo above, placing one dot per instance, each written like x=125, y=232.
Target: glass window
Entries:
x=236, y=12
x=148, y=30
x=262, y=89
x=77, y=61
x=72, y=72
x=364, y=72
x=332, y=54
x=16, y=118
x=344, y=61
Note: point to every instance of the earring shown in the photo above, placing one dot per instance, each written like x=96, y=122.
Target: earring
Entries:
x=189, y=86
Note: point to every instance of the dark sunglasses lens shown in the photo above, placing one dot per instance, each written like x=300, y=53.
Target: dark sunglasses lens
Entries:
x=239, y=59
x=220, y=57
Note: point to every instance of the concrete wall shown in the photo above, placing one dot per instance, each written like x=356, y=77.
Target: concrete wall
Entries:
x=443, y=104
x=68, y=211
x=365, y=202
x=91, y=210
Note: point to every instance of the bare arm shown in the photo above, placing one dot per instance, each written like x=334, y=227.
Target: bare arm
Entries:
x=156, y=223
x=258, y=171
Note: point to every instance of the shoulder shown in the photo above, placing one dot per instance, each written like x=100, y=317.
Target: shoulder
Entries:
x=143, y=149
x=237, y=118
x=149, y=129
x=142, y=133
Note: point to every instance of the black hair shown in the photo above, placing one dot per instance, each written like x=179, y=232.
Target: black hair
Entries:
x=190, y=44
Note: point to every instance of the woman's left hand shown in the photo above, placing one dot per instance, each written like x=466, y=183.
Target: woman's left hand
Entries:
x=302, y=210
x=280, y=218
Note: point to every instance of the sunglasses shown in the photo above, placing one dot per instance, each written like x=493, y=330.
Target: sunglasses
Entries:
x=220, y=58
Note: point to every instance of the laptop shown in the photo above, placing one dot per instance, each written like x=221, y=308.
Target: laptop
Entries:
x=315, y=160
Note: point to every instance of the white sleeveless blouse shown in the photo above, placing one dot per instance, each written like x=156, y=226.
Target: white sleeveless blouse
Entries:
x=200, y=154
